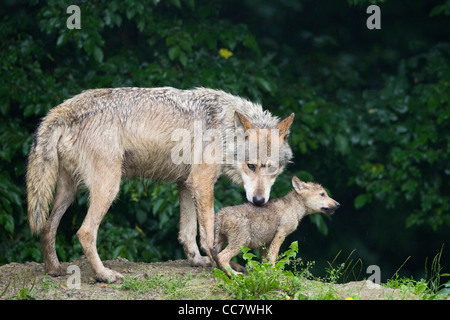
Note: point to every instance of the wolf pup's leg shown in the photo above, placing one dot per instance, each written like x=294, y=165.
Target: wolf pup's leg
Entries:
x=65, y=194
x=274, y=247
x=105, y=182
x=188, y=228
x=224, y=257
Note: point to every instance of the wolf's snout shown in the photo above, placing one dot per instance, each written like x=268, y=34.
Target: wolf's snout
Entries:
x=258, y=200
x=330, y=210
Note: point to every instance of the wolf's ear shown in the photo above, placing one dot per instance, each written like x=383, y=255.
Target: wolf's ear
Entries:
x=284, y=126
x=241, y=121
x=297, y=184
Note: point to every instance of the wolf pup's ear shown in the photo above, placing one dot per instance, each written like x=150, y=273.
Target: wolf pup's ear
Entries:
x=297, y=184
x=284, y=126
x=241, y=121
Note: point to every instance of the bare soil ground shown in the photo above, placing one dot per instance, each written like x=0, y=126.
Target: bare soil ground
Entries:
x=196, y=283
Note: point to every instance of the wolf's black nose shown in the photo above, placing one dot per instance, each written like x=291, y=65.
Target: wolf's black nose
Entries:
x=338, y=204
x=258, y=200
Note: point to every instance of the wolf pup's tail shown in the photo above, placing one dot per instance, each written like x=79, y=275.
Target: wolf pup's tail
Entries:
x=42, y=171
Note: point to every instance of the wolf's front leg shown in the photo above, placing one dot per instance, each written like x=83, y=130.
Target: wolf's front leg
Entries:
x=201, y=184
x=204, y=200
x=275, y=246
x=188, y=228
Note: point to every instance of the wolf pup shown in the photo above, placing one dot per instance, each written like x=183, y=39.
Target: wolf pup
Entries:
x=100, y=136
x=265, y=228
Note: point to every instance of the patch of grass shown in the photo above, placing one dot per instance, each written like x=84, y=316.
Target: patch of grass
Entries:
x=171, y=287
x=345, y=271
x=161, y=283
x=20, y=285
x=410, y=286
x=434, y=283
x=48, y=283
x=430, y=289
x=265, y=282
x=6, y=288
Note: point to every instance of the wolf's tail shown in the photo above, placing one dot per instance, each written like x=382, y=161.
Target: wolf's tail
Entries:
x=42, y=171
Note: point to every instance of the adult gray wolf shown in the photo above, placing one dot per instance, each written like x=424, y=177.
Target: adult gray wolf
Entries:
x=99, y=136
x=265, y=228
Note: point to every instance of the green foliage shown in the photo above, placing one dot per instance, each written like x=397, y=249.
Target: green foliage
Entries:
x=441, y=9
x=263, y=280
x=412, y=112
x=392, y=142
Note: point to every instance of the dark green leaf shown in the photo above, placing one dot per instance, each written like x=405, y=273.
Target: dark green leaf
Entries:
x=98, y=54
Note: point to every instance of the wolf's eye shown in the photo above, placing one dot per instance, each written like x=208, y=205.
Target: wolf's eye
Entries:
x=251, y=166
x=272, y=169
x=322, y=194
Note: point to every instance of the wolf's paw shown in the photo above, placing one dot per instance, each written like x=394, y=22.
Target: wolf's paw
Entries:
x=237, y=268
x=55, y=271
x=200, y=261
x=108, y=275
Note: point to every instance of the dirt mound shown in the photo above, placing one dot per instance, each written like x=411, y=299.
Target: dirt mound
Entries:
x=23, y=276
x=167, y=280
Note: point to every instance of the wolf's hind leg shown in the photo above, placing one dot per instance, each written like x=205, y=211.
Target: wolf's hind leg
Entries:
x=237, y=267
x=103, y=188
x=224, y=257
x=188, y=228
x=66, y=190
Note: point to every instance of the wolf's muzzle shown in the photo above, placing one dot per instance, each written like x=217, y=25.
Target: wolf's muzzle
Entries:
x=258, y=200
x=331, y=210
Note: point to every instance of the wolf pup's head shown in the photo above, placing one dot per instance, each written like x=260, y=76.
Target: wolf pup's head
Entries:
x=265, y=152
x=314, y=197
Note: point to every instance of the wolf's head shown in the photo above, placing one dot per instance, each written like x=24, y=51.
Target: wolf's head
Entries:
x=314, y=197
x=262, y=152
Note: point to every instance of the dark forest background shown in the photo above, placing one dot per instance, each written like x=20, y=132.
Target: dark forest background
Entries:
x=372, y=114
